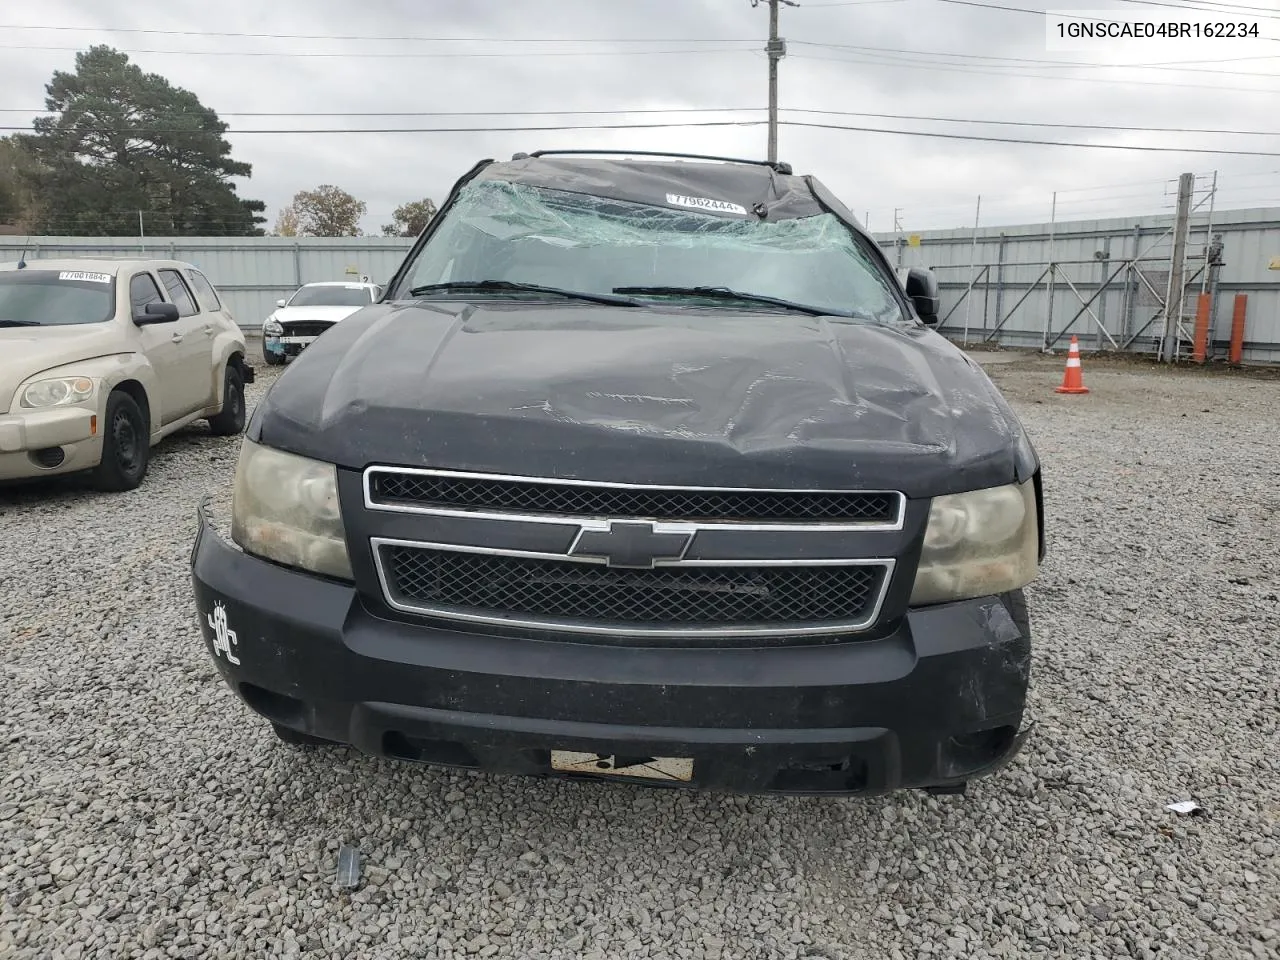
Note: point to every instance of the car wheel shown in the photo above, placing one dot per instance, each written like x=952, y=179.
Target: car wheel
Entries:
x=272, y=359
x=126, y=445
x=297, y=738
x=230, y=421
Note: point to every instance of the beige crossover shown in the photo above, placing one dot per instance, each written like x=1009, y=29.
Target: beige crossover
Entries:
x=100, y=359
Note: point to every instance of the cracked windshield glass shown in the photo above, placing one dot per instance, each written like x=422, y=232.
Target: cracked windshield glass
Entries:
x=522, y=234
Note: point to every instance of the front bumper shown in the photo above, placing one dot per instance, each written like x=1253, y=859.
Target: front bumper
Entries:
x=70, y=430
x=937, y=702
x=288, y=344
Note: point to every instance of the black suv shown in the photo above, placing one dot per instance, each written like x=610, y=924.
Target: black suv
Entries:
x=643, y=469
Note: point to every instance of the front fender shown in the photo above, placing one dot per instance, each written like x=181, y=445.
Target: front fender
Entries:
x=110, y=371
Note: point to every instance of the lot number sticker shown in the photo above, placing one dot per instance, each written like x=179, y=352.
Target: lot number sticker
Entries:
x=89, y=277
x=705, y=203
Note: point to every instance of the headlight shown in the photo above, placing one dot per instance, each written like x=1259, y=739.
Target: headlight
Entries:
x=979, y=543
x=285, y=508
x=58, y=393
x=272, y=328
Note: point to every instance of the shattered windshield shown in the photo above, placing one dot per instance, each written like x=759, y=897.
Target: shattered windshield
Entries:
x=515, y=233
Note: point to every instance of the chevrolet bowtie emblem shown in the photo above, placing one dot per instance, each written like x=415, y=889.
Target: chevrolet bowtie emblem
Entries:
x=631, y=543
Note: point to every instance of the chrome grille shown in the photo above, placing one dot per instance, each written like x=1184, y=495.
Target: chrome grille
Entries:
x=445, y=491
x=681, y=598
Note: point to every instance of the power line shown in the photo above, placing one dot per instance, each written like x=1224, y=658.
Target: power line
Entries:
x=450, y=113
x=1072, y=16
x=707, y=123
x=354, y=36
x=1262, y=13
x=1119, y=128
x=393, y=55
x=1038, y=13
x=138, y=131
x=1017, y=61
x=900, y=63
x=1043, y=143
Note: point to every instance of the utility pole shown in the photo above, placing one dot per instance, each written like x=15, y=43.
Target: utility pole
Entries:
x=776, y=48
x=1176, y=296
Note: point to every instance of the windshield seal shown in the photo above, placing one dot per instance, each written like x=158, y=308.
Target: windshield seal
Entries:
x=498, y=230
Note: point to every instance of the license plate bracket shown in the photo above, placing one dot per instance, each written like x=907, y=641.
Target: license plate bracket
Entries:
x=672, y=769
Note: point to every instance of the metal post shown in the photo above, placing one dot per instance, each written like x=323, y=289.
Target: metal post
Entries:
x=973, y=264
x=1176, y=297
x=999, y=279
x=142, y=240
x=1104, y=263
x=1048, y=314
x=897, y=236
x=1215, y=270
x=297, y=264
x=1131, y=284
x=1208, y=233
x=986, y=296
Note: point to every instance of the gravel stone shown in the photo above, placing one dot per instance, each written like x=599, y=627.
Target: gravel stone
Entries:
x=145, y=813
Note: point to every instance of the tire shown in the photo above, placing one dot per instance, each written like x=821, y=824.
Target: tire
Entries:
x=272, y=359
x=230, y=421
x=297, y=738
x=126, y=445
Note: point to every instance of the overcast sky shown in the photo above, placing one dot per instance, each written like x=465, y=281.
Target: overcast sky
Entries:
x=919, y=58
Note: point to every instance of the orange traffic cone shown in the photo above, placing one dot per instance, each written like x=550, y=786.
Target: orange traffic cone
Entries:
x=1072, y=377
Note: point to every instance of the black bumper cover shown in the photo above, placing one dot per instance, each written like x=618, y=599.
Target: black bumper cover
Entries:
x=934, y=704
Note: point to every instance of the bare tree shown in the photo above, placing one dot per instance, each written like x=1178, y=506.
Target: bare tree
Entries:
x=326, y=211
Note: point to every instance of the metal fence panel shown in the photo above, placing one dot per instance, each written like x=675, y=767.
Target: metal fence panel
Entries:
x=1011, y=263
x=254, y=272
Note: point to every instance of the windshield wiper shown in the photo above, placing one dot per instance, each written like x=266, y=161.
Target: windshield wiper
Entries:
x=482, y=286
x=18, y=323
x=724, y=293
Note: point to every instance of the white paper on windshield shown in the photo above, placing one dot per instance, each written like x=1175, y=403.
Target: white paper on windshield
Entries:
x=90, y=277
x=705, y=203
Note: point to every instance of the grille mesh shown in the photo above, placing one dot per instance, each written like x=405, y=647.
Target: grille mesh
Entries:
x=533, y=497
x=306, y=328
x=689, y=596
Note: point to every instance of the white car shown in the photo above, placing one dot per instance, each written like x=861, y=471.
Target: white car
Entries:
x=100, y=359
x=312, y=310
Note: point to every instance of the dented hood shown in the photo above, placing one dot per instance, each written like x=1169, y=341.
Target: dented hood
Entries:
x=691, y=396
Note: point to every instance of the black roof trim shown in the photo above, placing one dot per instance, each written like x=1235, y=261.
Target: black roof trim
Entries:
x=776, y=165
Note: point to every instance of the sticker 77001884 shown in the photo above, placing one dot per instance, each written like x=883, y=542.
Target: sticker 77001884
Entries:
x=90, y=277
x=705, y=203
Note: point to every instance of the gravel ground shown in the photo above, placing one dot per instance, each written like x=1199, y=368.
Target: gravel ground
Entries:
x=145, y=813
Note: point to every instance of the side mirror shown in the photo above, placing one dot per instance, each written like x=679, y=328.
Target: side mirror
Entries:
x=922, y=288
x=157, y=313
x=281, y=303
